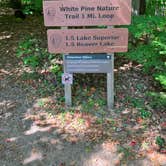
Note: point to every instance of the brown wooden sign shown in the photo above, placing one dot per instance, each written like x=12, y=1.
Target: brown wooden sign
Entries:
x=88, y=40
x=85, y=13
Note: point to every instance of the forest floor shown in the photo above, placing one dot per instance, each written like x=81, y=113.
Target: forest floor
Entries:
x=37, y=130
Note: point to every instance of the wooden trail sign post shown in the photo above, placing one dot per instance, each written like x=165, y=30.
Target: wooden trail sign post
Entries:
x=96, y=44
x=88, y=40
x=87, y=13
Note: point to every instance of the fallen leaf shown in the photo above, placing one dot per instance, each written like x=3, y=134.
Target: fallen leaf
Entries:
x=139, y=120
x=62, y=164
x=163, y=151
x=133, y=143
x=8, y=140
x=88, y=123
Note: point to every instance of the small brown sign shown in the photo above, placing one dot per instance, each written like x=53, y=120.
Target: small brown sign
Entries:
x=88, y=40
x=85, y=13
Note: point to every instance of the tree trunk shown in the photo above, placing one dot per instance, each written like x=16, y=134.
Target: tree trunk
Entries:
x=15, y=4
x=142, y=9
x=135, y=7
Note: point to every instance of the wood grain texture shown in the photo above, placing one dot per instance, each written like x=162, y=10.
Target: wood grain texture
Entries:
x=88, y=40
x=87, y=13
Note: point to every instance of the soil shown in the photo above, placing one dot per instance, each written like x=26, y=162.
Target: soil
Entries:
x=25, y=140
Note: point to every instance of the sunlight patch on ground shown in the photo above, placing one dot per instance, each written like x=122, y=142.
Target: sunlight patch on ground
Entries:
x=157, y=158
x=67, y=123
x=34, y=129
x=23, y=70
x=73, y=125
x=5, y=37
x=13, y=139
x=105, y=154
x=35, y=155
x=7, y=105
x=3, y=71
x=129, y=66
x=6, y=11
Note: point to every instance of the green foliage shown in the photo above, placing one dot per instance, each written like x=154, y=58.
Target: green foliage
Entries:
x=89, y=105
x=158, y=100
x=32, y=61
x=161, y=78
x=42, y=65
x=126, y=151
x=37, y=58
x=29, y=6
x=160, y=141
x=30, y=52
x=154, y=7
x=139, y=105
x=56, y=69
x=148, y=45
x=145, y=114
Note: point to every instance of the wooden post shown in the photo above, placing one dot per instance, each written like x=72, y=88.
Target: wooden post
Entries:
x=68, y=92
x=110, y=83
x=68, y=100
x=136, y=7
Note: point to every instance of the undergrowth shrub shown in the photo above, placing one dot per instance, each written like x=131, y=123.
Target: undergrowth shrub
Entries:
x=147, y=46
x=27, y=6
x=36, y=57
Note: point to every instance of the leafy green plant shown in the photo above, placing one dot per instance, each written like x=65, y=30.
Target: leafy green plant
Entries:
x=126, y=151
x=41, y=103
x=99, y=120
x=158, y=100
x=160, y=142
x=154, y=7
x=32, y=54
x=32, y=61
x=28, y=7
x=81, y=121
x=88, y=149
x=30, y=75
x=138, y=103
x=101, y=102
x=57, y=70
x=28, y=50
x=161, y=77
x=63, y=117
x=147, y=46
x=45, y=88
x=42, y=65
x=144, y=114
